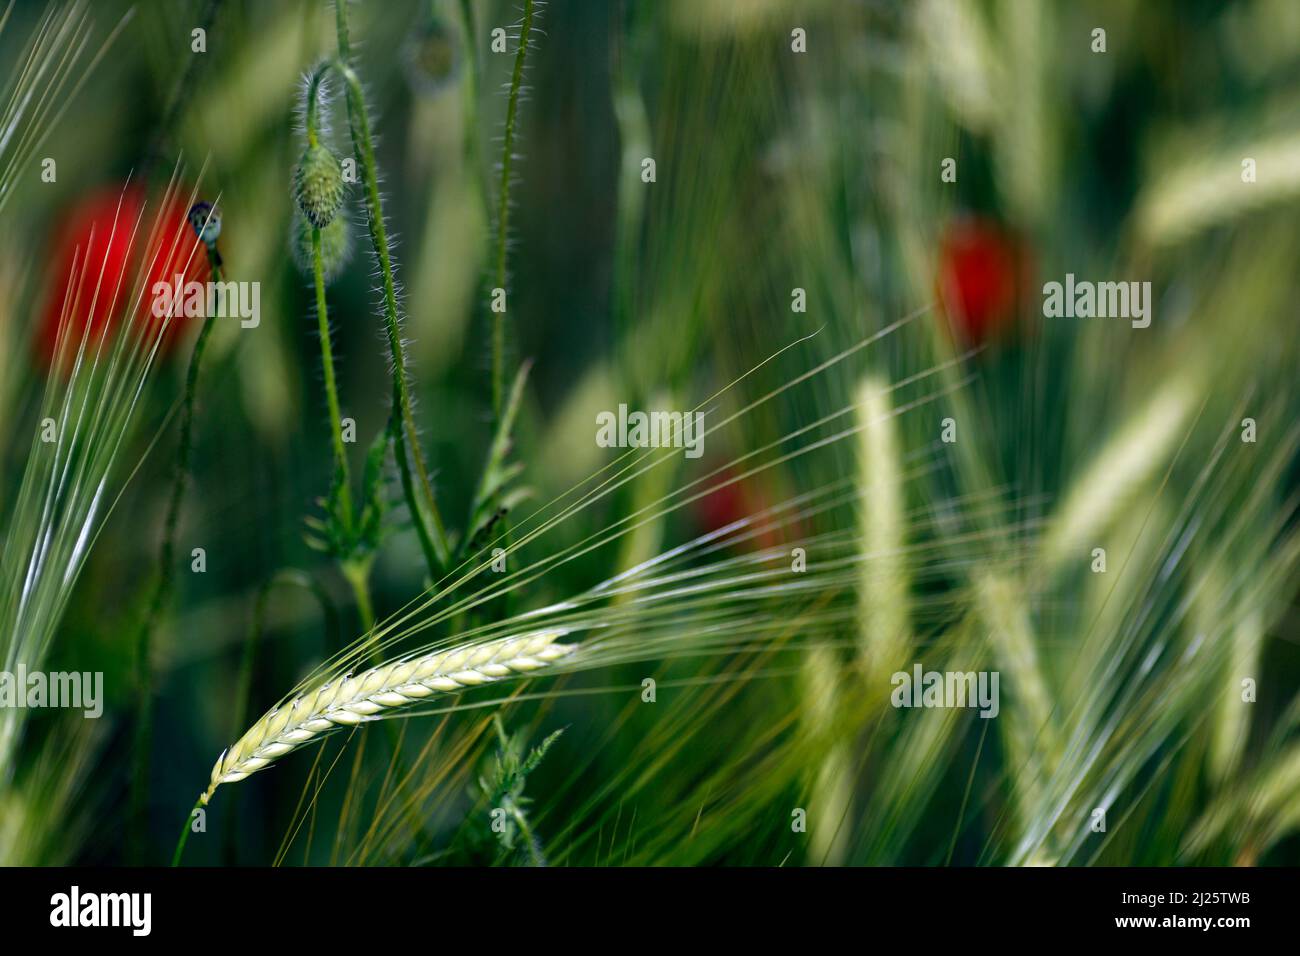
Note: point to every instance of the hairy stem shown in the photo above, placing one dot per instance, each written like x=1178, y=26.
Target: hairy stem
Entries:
x=472, y=153
x=343, y=481
x=357, y=572
x=420, y=499
x=503, y=207
x=503, y=237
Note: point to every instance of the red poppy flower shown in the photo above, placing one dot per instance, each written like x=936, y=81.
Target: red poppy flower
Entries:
x=111, y=238
x=983, y=276
x=730, y=500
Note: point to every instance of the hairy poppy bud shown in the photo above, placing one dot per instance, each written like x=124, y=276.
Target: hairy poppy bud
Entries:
x=335, y=245
x=318, y=185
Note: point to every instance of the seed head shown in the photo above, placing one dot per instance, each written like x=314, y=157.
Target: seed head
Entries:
x=318, y=185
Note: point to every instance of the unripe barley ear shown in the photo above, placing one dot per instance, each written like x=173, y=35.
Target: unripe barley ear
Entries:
x=318, y=186
x=348, y=700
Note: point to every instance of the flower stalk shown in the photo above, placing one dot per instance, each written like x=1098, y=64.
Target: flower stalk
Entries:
x=417, y=488
x=503, y=206
x=166, y=577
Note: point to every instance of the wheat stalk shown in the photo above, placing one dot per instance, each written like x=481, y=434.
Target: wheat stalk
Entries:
x=377, y=692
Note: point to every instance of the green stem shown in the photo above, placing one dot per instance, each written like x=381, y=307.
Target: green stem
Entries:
x=343, y=481
x=420, y=499
x=244, y=693
x=313, y=103
x=477, y=173
x=358, y=575
x=503, y=208
x=534, y=846
x=471, y=36
x=502, y=240
x=163, y=586
x=356, y=572
x=180, y=96
x=329, y=616
x=185, y=833
x=634, y=142
x=427, y=545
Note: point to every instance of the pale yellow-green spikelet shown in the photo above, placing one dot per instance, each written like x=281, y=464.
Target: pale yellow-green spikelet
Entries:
x=883, y=611
x=1263, y=804
x=352, y=700
x=1232, y=724
x=1123, y=467
x=1030, y=727
x=1201, y=191
x=831, y=796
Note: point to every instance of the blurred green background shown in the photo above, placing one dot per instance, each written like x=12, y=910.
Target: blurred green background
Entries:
x=775, y=170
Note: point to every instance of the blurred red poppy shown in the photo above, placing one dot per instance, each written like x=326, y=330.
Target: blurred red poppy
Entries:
x=983, y=278
x=731, y=500
x=111, y=238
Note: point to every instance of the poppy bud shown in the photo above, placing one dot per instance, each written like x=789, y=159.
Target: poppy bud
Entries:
x=318, y=185
x=205, y=219
x=335, y=245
